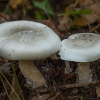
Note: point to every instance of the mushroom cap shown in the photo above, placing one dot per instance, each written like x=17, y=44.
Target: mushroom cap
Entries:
x=27, y=40
x=81, y=47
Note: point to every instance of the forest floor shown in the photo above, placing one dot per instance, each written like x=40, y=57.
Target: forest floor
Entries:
x=65, y=17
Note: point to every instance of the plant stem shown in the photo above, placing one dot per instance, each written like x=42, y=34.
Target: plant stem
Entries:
x=17, y=82
x=24, y=10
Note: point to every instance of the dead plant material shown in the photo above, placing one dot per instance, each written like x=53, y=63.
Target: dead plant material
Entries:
x=77, y=85
x=56, y=96
x=64, y=87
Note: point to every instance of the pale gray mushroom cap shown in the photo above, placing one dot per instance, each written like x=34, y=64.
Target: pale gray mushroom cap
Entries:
x=81, y=47
x=27, y=40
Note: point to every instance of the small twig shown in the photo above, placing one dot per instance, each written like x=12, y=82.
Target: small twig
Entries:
x=87, y=23
x=78, y=85
x=10, y=85
x=64, y=87
x=90, y=27
x=96, y=2
x=76, y=2
x=94, y=28
x=5, y=88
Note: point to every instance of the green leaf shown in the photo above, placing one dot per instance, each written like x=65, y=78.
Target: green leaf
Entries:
x=77, y=12
x=38, y=4
x=48, y=8
x=45, y=6
x=39, y=15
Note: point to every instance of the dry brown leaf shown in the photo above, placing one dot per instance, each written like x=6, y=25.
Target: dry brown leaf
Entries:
x=15, y=3
x=80, y=21
x=50, y=24
x=2, y=60
x=67, y=9
x=89, y=4
x=2, y=17
x=98, y=91
x=88, y=18
x=65, y=22
x=96, y=11
x=68, y=76
x=85, y=3
x=83, y=19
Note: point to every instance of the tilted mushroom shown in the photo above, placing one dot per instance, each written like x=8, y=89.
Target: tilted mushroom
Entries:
x=82, y=48
x=26, y=41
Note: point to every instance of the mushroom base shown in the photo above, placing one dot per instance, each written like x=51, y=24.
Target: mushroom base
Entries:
x=31, y=73
x=84, y=72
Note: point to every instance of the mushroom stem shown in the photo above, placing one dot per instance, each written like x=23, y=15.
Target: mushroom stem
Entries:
x=31, y=73
x=67, y=67
x=84, y=72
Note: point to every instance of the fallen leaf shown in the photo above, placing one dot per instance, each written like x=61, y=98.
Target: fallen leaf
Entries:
x=80, y=21
x=2, y=18
x=89, y=4
x=85, y=3
x=98, y=91
x=15, y=3
x=51, y=25
x=65, y=22
x=2, y=60
x=68, y=76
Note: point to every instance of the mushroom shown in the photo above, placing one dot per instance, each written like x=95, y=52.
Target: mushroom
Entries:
x=67, y=67
x=82, y=48
x=26, y=41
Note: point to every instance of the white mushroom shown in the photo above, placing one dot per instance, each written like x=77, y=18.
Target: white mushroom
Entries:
x=67, y=67
x=26, y=41
x=82, y=48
